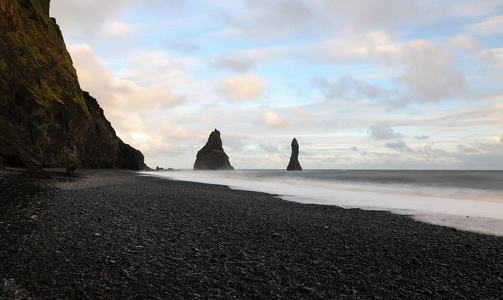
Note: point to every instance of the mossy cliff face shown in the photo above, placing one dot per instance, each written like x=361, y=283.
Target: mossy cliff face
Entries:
x=45, y=118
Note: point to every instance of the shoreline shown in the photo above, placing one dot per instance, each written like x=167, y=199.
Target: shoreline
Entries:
x=478, y=212
x=116, y=234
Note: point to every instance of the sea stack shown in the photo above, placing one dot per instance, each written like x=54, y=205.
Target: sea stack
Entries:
x=212, y=155
x=294, y=164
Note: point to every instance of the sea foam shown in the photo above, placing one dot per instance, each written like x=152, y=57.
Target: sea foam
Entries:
x=475, y=210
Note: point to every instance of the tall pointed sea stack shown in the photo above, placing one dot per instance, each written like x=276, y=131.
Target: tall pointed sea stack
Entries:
x=212, y=155
x=294, y=164
x=45, y=117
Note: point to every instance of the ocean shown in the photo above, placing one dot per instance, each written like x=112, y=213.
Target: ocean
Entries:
x=466, y=200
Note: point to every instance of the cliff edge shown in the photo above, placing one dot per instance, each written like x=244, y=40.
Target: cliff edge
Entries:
x=45, y=117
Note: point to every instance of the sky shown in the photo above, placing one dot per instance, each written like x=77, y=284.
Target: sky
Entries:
x=364, y=84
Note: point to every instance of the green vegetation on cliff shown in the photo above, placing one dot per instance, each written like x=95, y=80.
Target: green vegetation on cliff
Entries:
x=32, y=43
x=45, y=118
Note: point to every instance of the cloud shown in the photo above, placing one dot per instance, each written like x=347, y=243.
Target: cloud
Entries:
x=489, y=115
x=368, y=14
x=350, y=88
x=430, y=74
x=125, y=102
x=201, y=118
x=89, y=17
x=93, y=76
x=365, y=55
x=465, y=42
x=116, y=30
x=468, y=9
x=278, y=19
x=491, y=26
x=399, y=145
x=113, y=91
x=243, y=60
x=495, y=56
x=129, y=121
x=302, y=116
x=383, y=131
x=176, y=132
x=113, y=94
x=420, y=71
x=157, y=67
x=272, y=19
x=273, y=120
x=284, y=18
x=270, y=149
x=369, y=46
x=233, y=62
x=183, y=45
x=464, y=149
x=241, y=87
x=422, y=137
x=485, y=155
x=151, y=145
x=431, y=151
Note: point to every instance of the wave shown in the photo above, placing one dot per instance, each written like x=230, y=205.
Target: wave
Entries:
x=473, y=209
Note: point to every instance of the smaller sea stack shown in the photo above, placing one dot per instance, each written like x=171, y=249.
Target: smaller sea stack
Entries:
x=212, y=155
x=294, y=164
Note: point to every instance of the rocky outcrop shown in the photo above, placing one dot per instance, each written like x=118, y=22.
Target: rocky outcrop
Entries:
x=294, y=164
x=130, y=158
x=212, y=155
x=45, y=118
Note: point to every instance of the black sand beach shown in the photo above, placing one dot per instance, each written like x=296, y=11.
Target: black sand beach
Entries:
x=113, y=234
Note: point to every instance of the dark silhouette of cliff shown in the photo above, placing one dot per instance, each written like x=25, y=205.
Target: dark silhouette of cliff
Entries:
x=294, y=164
x=45, y=118
x=212, y=155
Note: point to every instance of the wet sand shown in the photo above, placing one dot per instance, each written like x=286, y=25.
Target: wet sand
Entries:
x=114, y=234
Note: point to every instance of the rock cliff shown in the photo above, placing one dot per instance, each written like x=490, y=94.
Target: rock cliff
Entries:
x=45, y=118
x=212, y=155
x=294, y=164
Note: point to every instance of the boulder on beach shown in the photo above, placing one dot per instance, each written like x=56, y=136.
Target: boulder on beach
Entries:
x=294, y=164
x=212, y=156
x=70, y=171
